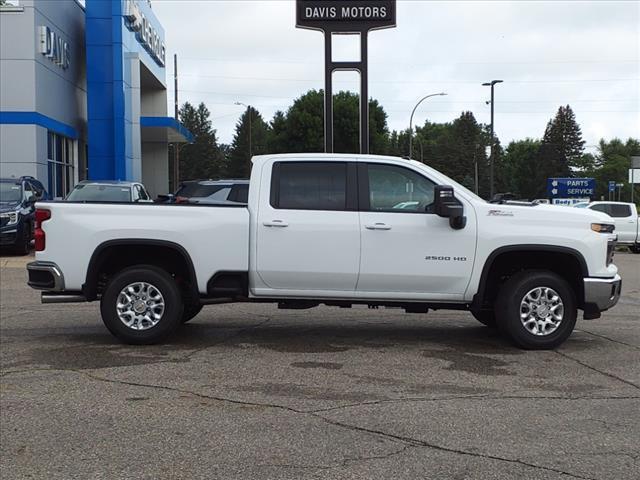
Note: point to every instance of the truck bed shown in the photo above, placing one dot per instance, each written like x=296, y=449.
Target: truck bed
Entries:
x=217, y=236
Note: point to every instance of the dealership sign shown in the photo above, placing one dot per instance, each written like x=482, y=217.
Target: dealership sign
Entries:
x=345, y=14
x=53, y=46
x=571, y=187
x=346, y=17
x=146, y=33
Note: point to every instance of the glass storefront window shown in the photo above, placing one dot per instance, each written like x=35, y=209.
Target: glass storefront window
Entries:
x=60, y=158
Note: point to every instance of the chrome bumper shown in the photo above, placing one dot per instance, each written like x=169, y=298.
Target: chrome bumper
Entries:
x=601, y=293
x=45, y=276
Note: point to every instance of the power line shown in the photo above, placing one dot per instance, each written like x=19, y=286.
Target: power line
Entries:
x=416, y=82
x=493, y=62
x=407, y=102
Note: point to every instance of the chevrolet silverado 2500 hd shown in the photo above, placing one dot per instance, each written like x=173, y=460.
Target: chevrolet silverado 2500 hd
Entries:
x=336, y=230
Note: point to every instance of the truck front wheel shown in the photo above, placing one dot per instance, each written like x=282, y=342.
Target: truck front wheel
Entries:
x=142, y=305
x=536, y=309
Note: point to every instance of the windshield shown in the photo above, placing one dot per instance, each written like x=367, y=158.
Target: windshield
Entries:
x=10, y=192
x=100, y=193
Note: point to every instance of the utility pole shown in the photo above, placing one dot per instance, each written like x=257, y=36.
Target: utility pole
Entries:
x=249, y=108
x=176, y=153
x=475, y=163
x=491, y=158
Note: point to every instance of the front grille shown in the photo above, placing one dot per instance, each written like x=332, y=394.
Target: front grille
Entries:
x=611, y=249
x=4, y=221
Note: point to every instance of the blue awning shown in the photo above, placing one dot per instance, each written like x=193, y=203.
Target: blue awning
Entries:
x=164, y=129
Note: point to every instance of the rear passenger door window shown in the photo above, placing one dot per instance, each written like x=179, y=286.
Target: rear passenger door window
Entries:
x=619, y=211
x=310, y=186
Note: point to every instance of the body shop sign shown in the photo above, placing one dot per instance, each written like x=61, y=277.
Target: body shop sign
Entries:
x=346, y=14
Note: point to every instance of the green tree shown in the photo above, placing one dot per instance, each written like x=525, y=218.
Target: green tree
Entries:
x=562, y=145
x=250, y=139
x=454, y=148
x=301, y=129
x=202, y=158
x=519, y=168
x=277, y=136
x=613, y=161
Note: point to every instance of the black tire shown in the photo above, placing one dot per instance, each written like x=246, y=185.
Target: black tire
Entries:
x=23, y=244
x=190, y=311
x=508, y=309
x=635, y=248
x=163, y=283
x=485, y=317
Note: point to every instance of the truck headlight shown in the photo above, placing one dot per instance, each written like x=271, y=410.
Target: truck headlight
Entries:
x=12, y=218
x=602, y=227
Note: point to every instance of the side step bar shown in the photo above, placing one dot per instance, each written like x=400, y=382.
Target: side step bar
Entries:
x=53, y=297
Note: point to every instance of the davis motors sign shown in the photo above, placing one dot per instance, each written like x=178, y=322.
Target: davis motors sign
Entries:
x=342, y=15
x=347, y=17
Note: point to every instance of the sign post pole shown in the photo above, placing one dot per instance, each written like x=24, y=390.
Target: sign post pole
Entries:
x=355, y=17
x=635, y=164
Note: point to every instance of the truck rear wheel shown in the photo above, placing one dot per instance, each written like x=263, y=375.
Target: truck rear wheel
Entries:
x=536, y=309
x=142, y=305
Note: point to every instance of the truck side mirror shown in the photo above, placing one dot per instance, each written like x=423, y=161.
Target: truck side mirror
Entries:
x=448, y=206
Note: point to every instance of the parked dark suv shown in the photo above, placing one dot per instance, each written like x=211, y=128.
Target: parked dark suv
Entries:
x=17, y=211
x=209, y=192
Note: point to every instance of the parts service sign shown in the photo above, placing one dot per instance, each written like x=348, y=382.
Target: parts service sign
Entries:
x=571, y=187
x=346, y=15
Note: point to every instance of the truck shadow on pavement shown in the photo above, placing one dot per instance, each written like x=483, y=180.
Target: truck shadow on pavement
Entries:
x=464, y=348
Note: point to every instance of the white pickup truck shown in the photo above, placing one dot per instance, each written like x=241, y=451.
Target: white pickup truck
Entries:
x=336, y=230
x=625, y=218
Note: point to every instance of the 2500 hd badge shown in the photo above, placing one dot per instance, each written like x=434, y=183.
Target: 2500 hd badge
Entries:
x=445, y=258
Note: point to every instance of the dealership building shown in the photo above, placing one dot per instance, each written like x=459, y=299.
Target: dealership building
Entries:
x=83, y=93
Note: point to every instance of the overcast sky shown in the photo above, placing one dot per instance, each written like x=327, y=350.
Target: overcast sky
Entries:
x=586, y=54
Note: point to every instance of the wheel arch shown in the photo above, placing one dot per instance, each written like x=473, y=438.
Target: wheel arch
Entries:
x=505, y=261
x=164, y=254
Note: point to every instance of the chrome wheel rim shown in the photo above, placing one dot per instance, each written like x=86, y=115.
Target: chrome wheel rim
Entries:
x=541, y=311
x=140, y=306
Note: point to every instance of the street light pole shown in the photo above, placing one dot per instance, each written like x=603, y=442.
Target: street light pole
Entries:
x=249, y=113
x=411, y=120
x=491, y=162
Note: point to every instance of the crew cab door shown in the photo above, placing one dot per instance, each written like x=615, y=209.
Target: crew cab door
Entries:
x=406, y=248
x=307, y=232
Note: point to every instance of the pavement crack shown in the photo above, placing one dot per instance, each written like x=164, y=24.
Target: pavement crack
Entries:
x=635, y=347
x=400, y=451
x=471, y=397
x=602, y=372
x=408, y=441
x=413, y=442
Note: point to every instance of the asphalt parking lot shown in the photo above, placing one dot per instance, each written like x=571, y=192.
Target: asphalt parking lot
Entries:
x=250, y=391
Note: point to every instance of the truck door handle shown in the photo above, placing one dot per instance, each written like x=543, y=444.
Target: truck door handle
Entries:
x=378, y=226
x=276, y=223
